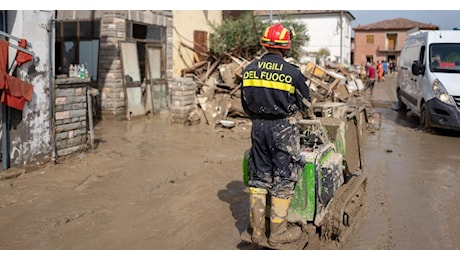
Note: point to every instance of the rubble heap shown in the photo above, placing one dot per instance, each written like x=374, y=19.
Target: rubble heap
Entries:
x=218, y=82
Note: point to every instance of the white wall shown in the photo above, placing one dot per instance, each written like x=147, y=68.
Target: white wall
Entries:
x=324, y=32
x=30, y=138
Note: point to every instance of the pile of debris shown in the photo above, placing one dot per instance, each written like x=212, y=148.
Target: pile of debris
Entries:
x=217, y=96
x=332, y=84
x=218, y=84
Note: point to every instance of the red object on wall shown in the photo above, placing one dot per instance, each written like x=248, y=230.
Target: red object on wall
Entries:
x=3, y=58
x=15, y=92
x=22, y=57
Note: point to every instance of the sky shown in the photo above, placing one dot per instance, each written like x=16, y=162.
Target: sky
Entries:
x=365, y=12
x=230, y=5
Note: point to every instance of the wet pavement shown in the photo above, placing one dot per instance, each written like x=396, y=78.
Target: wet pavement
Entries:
x=151, y=184
x=414, y=178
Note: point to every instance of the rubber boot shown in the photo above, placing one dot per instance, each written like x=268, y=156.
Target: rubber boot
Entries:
x=257, y=203
x=279, y=231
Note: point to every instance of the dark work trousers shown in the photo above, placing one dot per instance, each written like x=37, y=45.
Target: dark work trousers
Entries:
x=274, y=159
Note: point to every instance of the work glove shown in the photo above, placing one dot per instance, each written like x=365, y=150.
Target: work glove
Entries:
x=308, y=114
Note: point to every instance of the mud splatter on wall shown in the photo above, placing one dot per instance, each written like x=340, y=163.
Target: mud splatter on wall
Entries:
x=29, y=129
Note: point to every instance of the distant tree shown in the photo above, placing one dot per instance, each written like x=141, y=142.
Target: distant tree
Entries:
x=239, y=36
x=324, y=52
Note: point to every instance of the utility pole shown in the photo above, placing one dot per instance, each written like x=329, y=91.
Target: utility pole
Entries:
x=341, y=36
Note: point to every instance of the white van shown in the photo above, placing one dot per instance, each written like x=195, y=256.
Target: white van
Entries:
x=428, y=81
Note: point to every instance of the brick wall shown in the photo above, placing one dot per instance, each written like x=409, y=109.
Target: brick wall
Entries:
x=113, y=30
x=112, y=98
x=182, y=92
x=380, y=40
x=70, y=115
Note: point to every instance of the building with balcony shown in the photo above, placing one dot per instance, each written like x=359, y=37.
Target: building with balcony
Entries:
x=384, y=40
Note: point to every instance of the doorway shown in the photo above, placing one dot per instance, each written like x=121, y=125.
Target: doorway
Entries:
x=144, y=78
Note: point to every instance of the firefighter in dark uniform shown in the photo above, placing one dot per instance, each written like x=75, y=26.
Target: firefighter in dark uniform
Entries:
x=272, y=92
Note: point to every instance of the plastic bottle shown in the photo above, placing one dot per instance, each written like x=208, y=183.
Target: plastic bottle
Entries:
x=71, y=71
x=82, y=71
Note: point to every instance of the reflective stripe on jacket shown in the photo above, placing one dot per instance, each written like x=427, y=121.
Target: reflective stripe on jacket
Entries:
x=269, y=88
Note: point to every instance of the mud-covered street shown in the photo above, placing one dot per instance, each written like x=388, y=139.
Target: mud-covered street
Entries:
x=414, y=178
x=152, y=185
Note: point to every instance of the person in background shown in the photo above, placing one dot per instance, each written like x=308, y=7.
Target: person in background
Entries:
x=385, y=67
x=370, y=82
x=393, y=66
x=435, y=61
x=379, y=71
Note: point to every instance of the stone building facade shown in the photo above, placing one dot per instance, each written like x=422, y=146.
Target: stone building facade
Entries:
x=106, y=43
x=138, y=27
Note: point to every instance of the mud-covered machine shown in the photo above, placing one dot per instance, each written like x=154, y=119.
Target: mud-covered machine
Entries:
x=332, y=188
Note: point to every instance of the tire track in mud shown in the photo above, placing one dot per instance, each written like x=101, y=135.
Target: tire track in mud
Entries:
x=380, y=204
x=374, y=229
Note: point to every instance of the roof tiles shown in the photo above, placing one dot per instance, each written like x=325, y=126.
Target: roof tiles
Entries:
x=396, y=24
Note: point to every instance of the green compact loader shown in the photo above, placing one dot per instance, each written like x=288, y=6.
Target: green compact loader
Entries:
x=331, y=191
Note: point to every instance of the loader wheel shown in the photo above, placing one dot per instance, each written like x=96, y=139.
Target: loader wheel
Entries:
x=345, y=209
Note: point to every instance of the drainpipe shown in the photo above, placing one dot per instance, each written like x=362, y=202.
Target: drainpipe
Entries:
x=341, y=36
x=52, y=31
x=5, y=139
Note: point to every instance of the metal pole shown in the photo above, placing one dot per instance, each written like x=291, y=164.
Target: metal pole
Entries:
x=271, y=15
x=5, y=138
x=29, y=45
x=90, y=116
x=52, y=74
x=341, y=36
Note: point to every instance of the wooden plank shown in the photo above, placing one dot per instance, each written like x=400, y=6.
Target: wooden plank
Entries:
x=200, y=43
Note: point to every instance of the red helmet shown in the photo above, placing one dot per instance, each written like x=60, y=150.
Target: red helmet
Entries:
x=276, y=36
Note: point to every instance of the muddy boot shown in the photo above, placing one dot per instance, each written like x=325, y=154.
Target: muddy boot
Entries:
x=279, y=232
x=257, y=204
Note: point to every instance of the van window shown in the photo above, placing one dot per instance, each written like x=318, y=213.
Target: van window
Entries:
x=422, y=54
x=409, y=54
x=445, y=57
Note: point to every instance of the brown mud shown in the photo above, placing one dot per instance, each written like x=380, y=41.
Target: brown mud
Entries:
x=151, y=184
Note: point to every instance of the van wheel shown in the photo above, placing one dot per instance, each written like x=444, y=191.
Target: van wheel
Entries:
x=424, y=118
x=401, y=106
